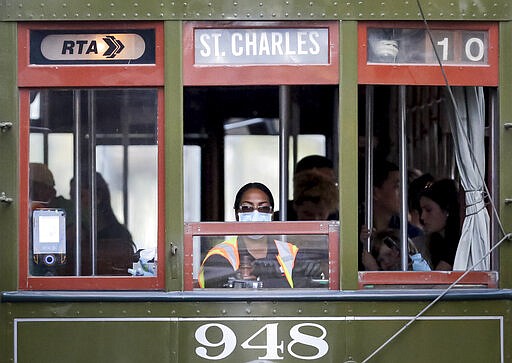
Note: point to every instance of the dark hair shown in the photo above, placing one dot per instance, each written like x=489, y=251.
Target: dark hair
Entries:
x=253, y=185
x=313, y=161
x=416, y=187
x=445, y=194
x=381, y=172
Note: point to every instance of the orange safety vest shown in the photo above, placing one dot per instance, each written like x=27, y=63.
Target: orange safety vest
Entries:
x=229, y=250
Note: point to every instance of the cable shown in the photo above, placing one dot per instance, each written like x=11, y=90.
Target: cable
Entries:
x=425, y=309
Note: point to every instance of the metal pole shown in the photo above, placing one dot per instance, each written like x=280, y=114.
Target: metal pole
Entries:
x=403, y=178
x=92, y=181
x=368, y=184
x=78, y=182
x=284, y=122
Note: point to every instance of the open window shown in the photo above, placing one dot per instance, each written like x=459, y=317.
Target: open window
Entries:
x=423, y=142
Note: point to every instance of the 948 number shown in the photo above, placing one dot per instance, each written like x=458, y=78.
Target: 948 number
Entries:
x=273, y=349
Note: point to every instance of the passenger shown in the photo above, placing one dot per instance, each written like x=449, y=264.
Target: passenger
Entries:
x=440, y=215
x=385, y=254
x=115, y=247
x=315, y=196
x=321, y=165
x=271, y=263
x=42, y=190
x=386, y=205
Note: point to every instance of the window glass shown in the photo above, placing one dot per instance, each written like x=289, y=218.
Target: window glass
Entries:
x=282, y=261
x=93, y=182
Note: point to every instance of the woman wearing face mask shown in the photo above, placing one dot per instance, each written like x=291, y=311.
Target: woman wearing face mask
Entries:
x=254, y=257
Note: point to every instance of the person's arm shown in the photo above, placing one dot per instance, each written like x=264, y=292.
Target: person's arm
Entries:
x=217, y=271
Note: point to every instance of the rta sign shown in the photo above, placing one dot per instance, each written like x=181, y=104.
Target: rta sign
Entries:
x=92, y=47
x=84, y=46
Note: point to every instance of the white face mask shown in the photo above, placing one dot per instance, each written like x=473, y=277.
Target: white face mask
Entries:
x=255, y=217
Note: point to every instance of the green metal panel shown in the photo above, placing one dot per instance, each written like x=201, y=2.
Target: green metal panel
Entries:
x=459, y=331
x=174, y=153
x=9, y=158
x=505, y=95
x=252, y=10
x=348, y=154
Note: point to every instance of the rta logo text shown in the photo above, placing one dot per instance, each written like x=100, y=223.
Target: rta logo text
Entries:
x=88, y=47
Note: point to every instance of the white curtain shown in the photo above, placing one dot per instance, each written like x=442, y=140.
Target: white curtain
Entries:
x=467, y=123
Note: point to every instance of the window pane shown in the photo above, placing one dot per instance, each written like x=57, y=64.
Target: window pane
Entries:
x=93, y=168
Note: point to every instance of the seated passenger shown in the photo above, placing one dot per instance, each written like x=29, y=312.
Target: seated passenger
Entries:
x=115, y=247
x=42, y=190
x=321, y=165
x=386, y=205
x=385, y=254
x=270, y=263
x=315, y=197
x=441, y=222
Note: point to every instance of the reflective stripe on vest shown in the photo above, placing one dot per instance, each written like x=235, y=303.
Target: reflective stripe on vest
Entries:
x=227, y=249
x=286, y=258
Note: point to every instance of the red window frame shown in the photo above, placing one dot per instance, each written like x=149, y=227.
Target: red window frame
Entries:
x=85, y=76
x=422, y=74
x=425, y=75
x=282, y=74
x=331, y=229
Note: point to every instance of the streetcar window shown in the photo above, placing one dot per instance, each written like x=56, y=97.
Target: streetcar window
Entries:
x=261, y=255
x=94, y=159
x=409, y=133
x=238, y=130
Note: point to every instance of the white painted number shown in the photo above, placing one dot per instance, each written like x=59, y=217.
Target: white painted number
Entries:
x=317, y=342
x=228, y=340
x=444, y=43
x=480, y=49
x=274, y=348
x=474, y=49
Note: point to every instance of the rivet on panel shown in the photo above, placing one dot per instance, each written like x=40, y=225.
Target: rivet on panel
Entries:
x=235, y=3
x=235, y=15
x=261, y=15
x=286, y=15
x=274, y=311
x=261, y=4
x=248, y=311
x=299, y=14
x=274, y=15
x=135, y=14
x=112, y=5
x=223, y=312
